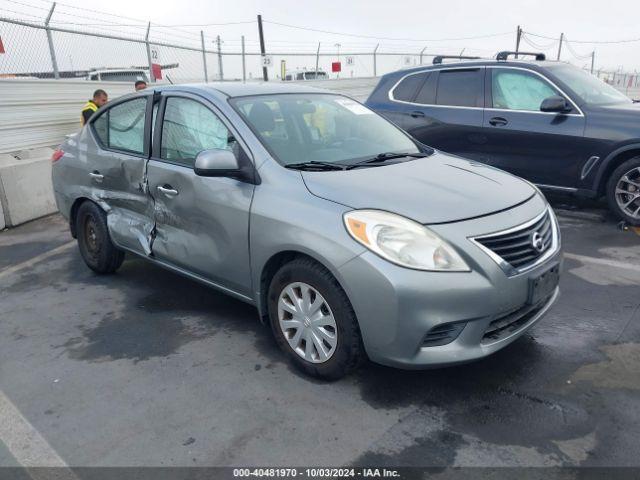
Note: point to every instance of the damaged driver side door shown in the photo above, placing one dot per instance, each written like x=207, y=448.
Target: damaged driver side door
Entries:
x=202, y=223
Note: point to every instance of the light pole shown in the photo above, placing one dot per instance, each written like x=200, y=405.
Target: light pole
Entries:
x=337, y=45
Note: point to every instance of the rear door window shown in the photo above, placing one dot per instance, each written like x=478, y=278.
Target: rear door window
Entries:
x=126, y=126
x=460, y=88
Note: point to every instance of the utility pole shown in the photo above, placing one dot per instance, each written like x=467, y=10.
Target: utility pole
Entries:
x=518, y=37
x=560, y=45
x=593, y=60
x=52, y=50
x=219, y=45
x=265, y=74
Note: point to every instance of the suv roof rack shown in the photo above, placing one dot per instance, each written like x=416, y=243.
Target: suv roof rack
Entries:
x=505, y=55
x=439, y=58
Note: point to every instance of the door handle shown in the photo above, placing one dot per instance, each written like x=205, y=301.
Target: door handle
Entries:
x=167, y=190
x=97, y=176
x=417, y=114
x=498, y=121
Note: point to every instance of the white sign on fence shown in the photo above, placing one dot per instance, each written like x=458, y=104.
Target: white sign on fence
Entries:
x=350, y=61
x=267, y=60
x=155, y=54
x=407, y=61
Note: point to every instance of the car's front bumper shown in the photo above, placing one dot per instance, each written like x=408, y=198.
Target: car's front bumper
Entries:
x=397, y=307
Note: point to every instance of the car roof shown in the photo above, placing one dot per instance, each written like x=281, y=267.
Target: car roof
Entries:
x=533, y=65
x=240, y=89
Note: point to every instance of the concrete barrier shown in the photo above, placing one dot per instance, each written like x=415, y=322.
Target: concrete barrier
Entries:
x=26, y=191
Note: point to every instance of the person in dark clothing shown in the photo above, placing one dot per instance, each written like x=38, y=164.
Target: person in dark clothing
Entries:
x=140, y=85
x=100, y=97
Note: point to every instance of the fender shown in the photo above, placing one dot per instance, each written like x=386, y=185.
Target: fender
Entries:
x=609, y=158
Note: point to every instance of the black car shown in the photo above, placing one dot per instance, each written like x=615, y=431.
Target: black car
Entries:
x=548, y=122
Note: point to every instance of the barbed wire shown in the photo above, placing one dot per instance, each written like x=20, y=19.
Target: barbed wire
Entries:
x=575, y=54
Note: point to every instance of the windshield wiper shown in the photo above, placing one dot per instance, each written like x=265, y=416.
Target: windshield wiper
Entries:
x=383, y=157
x=314, y=165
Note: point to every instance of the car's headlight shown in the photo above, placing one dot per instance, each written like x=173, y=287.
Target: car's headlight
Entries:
x=403, y=241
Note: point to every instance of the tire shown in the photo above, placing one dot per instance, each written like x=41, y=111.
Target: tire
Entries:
x=631, y=170
x=347, y=352
x=96, y=248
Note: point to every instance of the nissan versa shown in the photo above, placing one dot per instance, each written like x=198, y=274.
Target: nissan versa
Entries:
x=350, y=238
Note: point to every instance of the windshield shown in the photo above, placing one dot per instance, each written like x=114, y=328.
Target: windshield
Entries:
x=590, y=88
x=319, y=127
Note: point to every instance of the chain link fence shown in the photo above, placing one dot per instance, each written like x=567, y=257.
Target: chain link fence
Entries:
x=42, y=46
x=48, y=49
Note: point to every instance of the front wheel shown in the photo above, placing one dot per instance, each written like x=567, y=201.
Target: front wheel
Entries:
x=623, y=191
x=313, y=321
x=96, y=248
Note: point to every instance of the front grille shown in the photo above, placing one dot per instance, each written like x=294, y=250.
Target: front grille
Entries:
x=511, y=322
x=517, y=246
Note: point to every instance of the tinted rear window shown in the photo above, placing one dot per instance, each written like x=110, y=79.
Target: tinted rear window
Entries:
x=407, y=88
x=461, y=88
x=427, y=93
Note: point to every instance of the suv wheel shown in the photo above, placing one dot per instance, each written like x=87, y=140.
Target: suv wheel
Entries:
x=312, y=320
x=96, y=248
x=623, y=191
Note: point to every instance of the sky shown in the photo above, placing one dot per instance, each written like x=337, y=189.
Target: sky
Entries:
x=405, y=26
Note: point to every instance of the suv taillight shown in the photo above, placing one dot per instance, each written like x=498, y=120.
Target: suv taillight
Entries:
x=57, y=155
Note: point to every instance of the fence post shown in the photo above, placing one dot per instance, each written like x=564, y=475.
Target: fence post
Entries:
x=375, y=69
x=152, y=77
x=421, y=53
x=204, y=58
x=593, y=60
x=317, y=59
x=560, y=45
x=219, y=42
x=52, y=51
x=244, y=65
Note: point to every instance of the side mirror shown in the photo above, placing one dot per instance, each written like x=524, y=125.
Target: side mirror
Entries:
x=555, y=104
x=216, y=163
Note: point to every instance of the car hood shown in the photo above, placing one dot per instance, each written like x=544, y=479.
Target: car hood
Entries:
x=632, y=109
x=436, y=189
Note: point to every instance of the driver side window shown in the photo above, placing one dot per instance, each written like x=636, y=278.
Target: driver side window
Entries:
x=519, y=90
x=189, y=128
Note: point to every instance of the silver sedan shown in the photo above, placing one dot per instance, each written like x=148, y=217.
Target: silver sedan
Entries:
x=351, y=239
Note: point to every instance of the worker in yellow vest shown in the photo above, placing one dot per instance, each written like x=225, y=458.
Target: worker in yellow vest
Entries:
x=100, y=97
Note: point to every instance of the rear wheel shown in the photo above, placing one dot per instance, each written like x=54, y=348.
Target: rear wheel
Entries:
x=623, y=191
x=313, y=321
x=96, y=248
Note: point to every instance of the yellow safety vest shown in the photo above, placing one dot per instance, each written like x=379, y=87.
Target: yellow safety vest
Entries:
x=88, y=106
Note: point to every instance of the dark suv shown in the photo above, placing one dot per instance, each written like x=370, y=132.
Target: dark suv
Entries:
x=548, y=122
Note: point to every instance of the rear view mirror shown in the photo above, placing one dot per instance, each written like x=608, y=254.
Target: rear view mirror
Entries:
x=216, y=163
x=555, y=104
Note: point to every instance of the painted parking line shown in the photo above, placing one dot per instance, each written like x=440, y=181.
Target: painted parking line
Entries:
x=603, y=261
x=39, y=258
x=28, y=447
